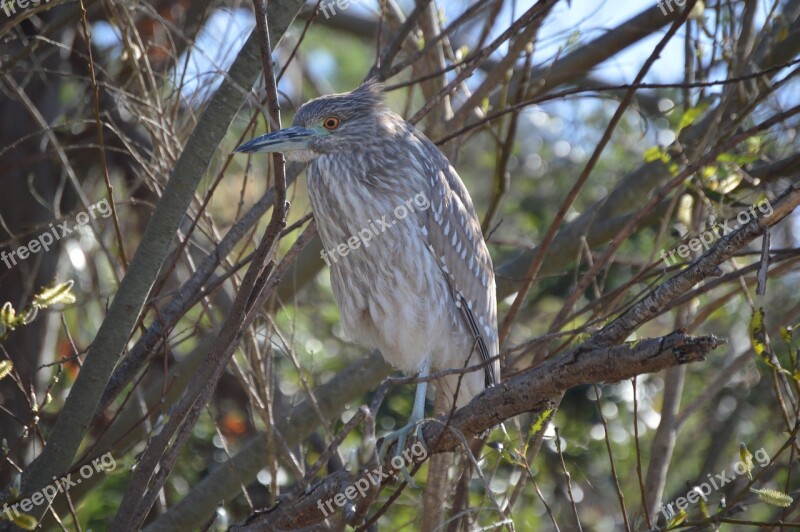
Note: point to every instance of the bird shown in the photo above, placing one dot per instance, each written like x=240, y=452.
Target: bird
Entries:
x=421, y=287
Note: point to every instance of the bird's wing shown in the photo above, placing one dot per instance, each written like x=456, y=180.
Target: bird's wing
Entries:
x=456, y=240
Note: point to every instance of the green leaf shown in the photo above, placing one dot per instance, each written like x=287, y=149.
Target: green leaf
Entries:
x=697, y=11
x=747, y=459
x=690, y=117
x=656, y=153
x=539, y=423
x=786, y=333
x=679, y=518
x=704, y=509
x=580, y=338
x=753, y=145
x=737, y=158
x=758, y=335
x=24, y=521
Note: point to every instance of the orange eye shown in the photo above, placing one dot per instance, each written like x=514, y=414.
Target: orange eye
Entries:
x=331, y=123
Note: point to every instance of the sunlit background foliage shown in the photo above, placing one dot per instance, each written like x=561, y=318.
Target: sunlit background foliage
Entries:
x=157, y=65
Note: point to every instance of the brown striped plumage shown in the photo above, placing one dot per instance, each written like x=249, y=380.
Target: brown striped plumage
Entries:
x=422, y=291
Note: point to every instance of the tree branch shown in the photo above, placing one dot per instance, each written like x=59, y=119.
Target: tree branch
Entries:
x=529, y=391
x=79, y=408
x=245, y=464
x=158, y=459
x=702, y=268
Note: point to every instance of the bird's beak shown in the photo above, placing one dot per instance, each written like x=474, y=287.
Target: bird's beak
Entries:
x=289, y=139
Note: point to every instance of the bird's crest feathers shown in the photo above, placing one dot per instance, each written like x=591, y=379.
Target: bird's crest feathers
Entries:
x=371, y=90
x=372, y=86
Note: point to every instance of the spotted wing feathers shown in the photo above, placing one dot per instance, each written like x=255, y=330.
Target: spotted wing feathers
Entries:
x=456, y=240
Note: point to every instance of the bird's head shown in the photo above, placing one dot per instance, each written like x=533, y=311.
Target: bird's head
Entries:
x=328, y=124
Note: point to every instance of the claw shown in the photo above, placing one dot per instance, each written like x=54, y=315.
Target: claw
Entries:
x=400, y=436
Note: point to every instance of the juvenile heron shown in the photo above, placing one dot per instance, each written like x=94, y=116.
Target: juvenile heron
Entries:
x=421, y=289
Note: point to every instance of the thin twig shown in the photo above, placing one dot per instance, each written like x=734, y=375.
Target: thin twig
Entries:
x=620, y=496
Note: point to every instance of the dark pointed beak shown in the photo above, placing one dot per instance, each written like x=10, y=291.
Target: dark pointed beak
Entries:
x=289, y=139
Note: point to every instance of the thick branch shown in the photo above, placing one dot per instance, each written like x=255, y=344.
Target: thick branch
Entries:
x=352, y=383
x=293, y=424
x=76, y=415
x=702, y=268
x=531, y=390
x=157, y=459
x=588, y=363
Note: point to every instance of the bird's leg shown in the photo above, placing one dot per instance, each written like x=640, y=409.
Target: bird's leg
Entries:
x=417, y=415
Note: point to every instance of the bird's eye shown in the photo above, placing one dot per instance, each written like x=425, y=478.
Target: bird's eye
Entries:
x=331, y=123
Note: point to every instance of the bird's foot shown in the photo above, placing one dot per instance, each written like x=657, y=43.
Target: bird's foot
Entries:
x=400, y=436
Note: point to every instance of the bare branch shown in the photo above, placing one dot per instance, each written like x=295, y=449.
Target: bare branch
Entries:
x=529, y=391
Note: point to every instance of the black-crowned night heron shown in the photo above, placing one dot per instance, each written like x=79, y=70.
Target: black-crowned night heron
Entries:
x=421, y=287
